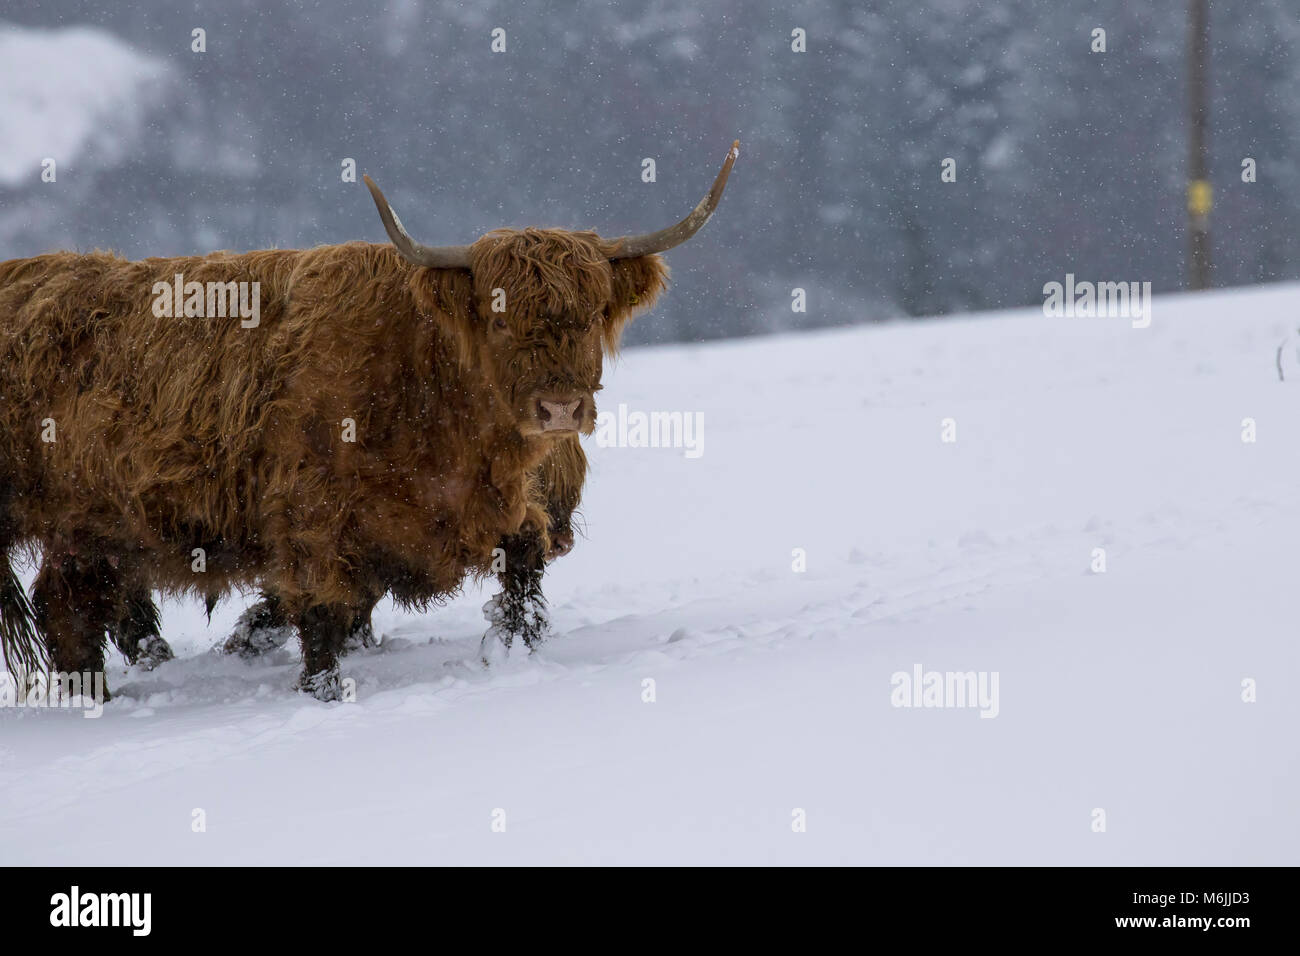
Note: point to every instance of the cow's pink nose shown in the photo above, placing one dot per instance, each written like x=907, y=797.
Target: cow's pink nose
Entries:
x=559, y=416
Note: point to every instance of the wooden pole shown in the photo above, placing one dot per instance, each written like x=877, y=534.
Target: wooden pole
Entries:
x=1199, y=194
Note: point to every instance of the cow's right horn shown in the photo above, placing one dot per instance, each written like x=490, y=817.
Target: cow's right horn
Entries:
x=631, y=246
x=433, y=257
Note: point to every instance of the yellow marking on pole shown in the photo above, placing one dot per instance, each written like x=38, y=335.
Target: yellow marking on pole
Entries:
x=1200, y=197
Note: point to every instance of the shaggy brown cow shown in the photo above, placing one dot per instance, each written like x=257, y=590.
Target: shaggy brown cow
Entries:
x=377, y=429
x=519, y=610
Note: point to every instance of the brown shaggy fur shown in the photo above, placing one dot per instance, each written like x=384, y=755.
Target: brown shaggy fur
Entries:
x=180, y=433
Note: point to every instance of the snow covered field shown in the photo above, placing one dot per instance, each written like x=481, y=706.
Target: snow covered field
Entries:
x=1119, y=691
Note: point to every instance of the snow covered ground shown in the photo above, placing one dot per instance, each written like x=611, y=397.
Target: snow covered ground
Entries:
x=1118, y=691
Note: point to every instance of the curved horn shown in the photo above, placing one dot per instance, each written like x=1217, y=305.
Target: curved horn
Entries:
x=433, y=257
x=665, y=239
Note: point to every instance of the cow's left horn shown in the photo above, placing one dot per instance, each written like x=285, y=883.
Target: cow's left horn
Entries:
x=434, y=257
x=665, y=239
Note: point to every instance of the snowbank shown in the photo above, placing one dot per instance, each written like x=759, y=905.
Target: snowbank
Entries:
x=774, y=689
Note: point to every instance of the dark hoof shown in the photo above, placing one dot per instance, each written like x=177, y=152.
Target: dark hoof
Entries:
x=152, y=652
x=510, y=619
x=257, y=633
x=361, y=637
x=323, y=685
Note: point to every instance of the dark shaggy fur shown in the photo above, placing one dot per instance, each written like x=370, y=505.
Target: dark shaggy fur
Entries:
x=175, y=434
x=263, y=627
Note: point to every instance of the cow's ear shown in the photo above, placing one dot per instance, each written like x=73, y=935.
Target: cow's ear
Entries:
x=635, y=287
x=448, y=296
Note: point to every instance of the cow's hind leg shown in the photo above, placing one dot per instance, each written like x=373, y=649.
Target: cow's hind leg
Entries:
x=263, y=627
x=137, y=631
x=21, y=648
x=361, y=632
x=520, y=609
x=75, y=605
x=323, y=630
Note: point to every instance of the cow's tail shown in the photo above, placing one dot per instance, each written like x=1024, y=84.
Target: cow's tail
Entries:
x=23, y=651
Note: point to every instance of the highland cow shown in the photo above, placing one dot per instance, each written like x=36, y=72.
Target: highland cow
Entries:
x=519, y=610
x=378, y=428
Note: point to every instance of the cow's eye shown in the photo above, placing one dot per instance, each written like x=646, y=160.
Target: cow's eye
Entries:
x=500, y=325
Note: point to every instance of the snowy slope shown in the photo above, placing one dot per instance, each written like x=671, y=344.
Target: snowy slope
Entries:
x=1119, y=691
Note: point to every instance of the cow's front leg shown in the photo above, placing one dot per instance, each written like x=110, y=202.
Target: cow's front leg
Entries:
x=519, y=611
x=323, y=630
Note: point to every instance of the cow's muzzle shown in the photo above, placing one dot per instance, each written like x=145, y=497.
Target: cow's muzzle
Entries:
x=561, y=414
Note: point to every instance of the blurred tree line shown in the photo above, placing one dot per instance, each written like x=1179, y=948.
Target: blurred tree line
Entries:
x=1066, y=160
